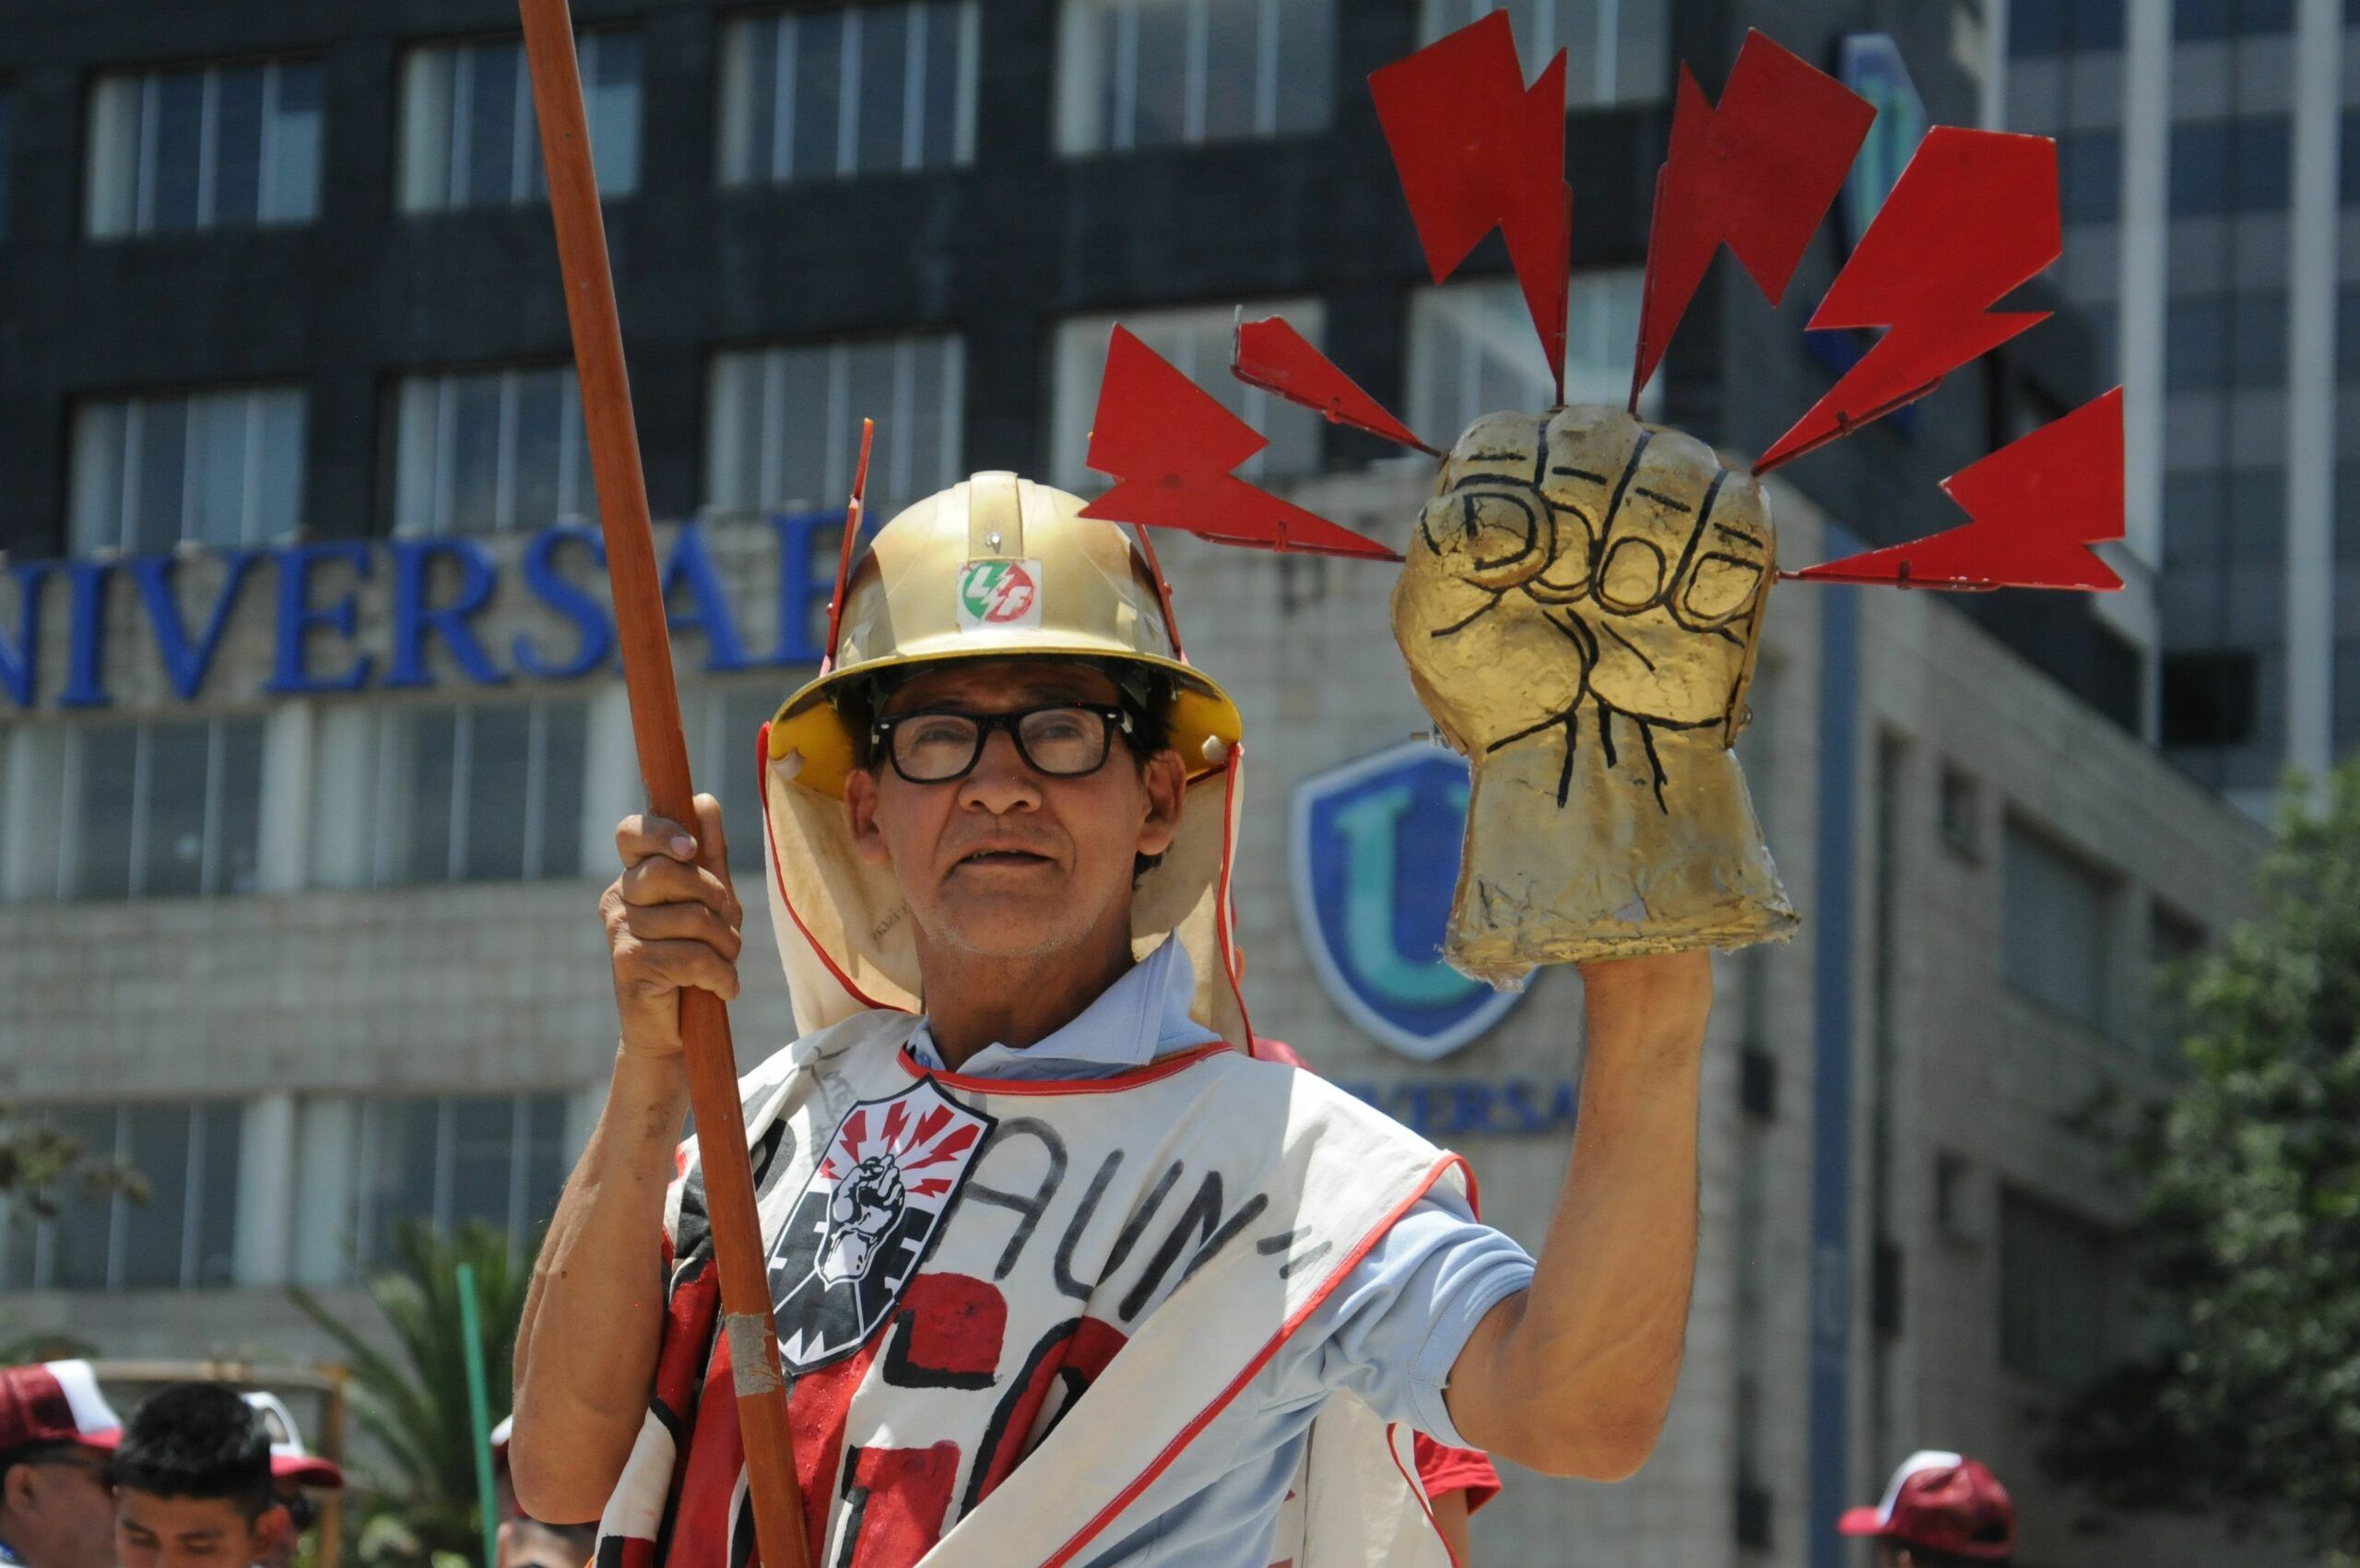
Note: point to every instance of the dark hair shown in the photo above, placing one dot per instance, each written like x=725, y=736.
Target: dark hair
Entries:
x=1934, y=1557
x=197, y=1440
x=1146, y=695
x=33, y=1453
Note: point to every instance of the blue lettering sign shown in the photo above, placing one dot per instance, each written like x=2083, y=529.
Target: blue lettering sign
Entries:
x=415, y=621
x=800, y=592
x=1470, y=1107
x=86, y=682
x=595, y=628
x=21, y=662
x=185, y=665
x=692, y=568
x=298, y=617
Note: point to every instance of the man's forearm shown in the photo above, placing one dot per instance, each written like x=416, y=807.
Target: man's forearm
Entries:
x=585, y=1347
x=1575, y=1374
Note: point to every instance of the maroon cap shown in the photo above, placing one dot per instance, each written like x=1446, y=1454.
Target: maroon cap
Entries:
x=1944, y=1502
x=289, y=1460
x=56, y=1402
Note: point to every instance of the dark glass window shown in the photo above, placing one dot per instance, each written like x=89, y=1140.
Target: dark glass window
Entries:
x=2194, y=20
x=7, y=152
x=2053, y=26
x=2225, y=340
x=2210, y=698
x=2220, y=166
x=2089, y=174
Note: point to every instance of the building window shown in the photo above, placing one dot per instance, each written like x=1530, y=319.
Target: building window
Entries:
x=1472, y=352
x=479, y=451
x=213, y=147
x=154, y=809
x=367, y=1166
x=2057, y=26
x=1160, y=73
x=2059, y=917
x=2062, y=1298
x=484, y=792
x=2210, y=698
x=721, y=726
x=865, y=89
x=468, y=137
x=1619, y=50
x=183, y=1234
x=2194, y=20
x=784, y=430
x=2089, y=176
x=2223, y=166
x=220, y=468
x=8, y=155
x=2175, y=941
x=1962, y=813
x=1196, y=339
x=2216, y=341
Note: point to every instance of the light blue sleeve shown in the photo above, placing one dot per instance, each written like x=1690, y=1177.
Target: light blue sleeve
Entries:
x=1393, y=1327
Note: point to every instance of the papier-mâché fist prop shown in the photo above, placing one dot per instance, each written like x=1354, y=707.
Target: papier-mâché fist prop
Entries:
x=1581, y=601
x=1579, y=611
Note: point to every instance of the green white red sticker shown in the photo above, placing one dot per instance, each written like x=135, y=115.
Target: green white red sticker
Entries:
x=998, y=593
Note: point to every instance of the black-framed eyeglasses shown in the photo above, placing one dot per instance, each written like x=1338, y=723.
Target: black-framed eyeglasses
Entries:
x=1068, y=740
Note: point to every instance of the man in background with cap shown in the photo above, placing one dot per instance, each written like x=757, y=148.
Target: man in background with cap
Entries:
x=56, y=1434
x=295, y=1473
x=1939, y=1510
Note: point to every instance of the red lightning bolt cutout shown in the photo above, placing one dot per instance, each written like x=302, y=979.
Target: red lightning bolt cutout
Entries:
x=1172, y=450
x=2038, y=505
x=1972, y=217
x=1758, y=174
x=1477, y=150
x=1273, y=356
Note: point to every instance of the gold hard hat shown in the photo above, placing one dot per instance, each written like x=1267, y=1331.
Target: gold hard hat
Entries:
x=996, y=567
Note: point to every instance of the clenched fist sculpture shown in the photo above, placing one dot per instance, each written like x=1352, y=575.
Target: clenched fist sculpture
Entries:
x=1579, y=612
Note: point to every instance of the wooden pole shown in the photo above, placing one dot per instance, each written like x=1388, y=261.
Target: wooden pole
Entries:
x=640, y=627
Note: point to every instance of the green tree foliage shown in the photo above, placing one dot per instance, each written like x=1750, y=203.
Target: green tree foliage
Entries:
x=414, y=1401
x=2248, y=1229
x=39, y=1164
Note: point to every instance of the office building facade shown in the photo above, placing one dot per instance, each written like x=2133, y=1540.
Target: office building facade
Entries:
x=310, y=740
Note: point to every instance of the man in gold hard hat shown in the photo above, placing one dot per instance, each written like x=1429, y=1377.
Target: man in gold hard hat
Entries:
x=1063, y=1271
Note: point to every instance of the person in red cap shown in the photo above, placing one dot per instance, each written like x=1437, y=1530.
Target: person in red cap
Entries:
x=295, y=1473
x=1940, y=1511
x=56, y=1432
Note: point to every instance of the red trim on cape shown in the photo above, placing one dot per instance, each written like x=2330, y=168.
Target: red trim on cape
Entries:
x=1179, y=1061
x=1425, y=1503
x=1204, y=1418
x=1232, y=970
x=769, y=839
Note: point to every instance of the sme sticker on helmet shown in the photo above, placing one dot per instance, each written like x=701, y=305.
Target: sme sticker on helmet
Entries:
x=996, y=593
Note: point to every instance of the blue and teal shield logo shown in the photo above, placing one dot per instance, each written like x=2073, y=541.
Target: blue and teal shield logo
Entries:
x=1375, y=860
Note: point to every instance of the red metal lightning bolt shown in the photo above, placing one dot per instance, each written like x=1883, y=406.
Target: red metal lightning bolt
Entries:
x=1171, y=449
x=1758, y=174
x=1273, y=356
x=1477, y=151
x=1972, y=217
x=2037, y=505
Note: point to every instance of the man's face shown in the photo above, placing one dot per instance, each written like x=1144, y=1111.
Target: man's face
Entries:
x=61, y=1511
x=191, y=1532
x=1007, y=862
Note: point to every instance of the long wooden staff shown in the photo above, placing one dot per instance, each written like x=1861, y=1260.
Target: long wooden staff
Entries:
x=664, y=765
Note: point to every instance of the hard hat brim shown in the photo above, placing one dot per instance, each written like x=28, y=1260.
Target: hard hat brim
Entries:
x=808, y=722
